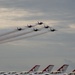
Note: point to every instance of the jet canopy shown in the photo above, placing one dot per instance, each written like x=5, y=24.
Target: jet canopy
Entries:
x=72, y=73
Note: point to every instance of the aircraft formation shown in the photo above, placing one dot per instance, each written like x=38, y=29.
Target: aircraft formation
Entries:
x=17, y=33
x=45, y=71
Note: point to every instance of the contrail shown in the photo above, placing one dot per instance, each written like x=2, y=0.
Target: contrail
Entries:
x=9, y=33
x=13, y=36
x=17, y=35
x=16, y=30
x=24, y=37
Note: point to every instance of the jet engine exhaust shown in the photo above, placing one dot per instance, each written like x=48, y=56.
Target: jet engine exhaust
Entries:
x=24, y=37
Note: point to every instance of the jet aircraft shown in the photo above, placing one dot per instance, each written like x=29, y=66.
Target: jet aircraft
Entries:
x=72, y=73
x=40, y=23
x=36, y=29
x=2, y=72
x=52, y=29
x=33, y=70
x=62, y=69
x=46, y=71
x=19, y=29
x=46, y=26
x=29, y=26
x=12, y=72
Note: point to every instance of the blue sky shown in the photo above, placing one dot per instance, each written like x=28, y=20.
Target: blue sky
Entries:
x=52, y=48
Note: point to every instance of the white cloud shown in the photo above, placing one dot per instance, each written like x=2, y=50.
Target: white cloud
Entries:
x=8, y=15
x=72, y=26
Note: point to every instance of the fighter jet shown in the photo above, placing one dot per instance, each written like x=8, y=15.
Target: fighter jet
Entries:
x=40, y=23
x=52, y=29
x=72, y=73
x=46, y=26
x=33, y=70
x=36, y=29
x=45, y=71
x=19, y=29
x=61, y=70
x=29, y=26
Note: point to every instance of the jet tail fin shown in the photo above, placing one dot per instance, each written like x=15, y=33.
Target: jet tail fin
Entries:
x=34, y=69
x=63, y=68
x=73, y=70
x=48, y=69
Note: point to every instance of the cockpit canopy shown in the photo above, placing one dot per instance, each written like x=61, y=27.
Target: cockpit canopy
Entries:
x=72, y=73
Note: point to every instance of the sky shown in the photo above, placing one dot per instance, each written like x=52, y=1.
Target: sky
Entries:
x=55, y=48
